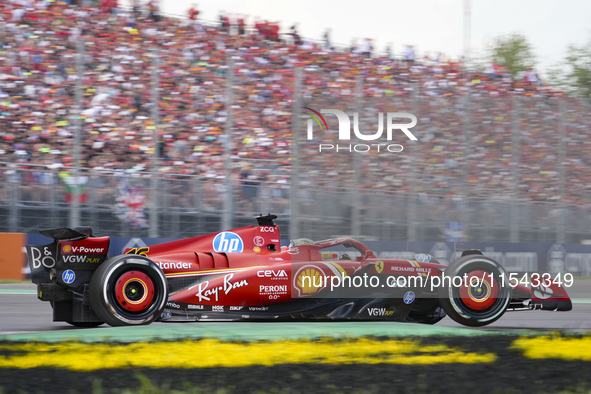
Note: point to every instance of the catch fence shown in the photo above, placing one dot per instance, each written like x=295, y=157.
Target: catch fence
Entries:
x=116, y=203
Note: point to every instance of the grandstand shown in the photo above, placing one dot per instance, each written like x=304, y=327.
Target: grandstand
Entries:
x=507, y=157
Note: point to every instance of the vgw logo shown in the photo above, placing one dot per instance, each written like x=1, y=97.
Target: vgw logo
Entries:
x=345, y=130
x=228, y=242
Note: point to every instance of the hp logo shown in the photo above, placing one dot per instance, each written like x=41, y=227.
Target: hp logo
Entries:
x=422, y=258
x=68, y=276
x=228, y=242
x=409, y=297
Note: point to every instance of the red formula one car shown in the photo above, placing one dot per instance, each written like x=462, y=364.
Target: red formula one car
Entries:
x=245, y=274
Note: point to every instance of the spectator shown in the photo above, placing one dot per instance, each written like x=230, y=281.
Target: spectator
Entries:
x=135, y=7
x=241, y=26
x=154, y=10
x=110, y=6
x=353, y=47
x=224, y=23
x=531, y=76
x=193, y=13
x=366, y=48
x=388, y=51
x=409, y=56
x=249, y=188
x=326, y=38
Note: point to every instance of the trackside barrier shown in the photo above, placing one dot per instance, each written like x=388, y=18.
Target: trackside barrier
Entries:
x=12, y=256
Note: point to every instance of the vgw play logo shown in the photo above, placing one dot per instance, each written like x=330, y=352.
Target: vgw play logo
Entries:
x=345, y=131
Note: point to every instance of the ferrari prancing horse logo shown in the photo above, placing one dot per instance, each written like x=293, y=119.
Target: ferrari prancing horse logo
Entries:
x=379, y=266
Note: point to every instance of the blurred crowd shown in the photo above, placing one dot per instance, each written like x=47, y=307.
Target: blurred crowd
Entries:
x=471, y=124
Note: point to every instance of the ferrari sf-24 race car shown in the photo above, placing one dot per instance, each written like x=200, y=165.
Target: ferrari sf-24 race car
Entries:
x=245, y=274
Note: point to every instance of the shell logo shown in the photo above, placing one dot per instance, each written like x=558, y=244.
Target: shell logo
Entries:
x=309, y=280
x=67, y=249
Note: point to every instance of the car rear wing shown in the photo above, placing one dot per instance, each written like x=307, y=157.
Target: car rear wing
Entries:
x=70, y=259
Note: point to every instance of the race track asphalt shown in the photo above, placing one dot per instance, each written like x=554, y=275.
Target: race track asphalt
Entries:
x=21, y=312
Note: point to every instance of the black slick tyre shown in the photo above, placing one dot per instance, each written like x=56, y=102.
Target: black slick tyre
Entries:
x=128, y=290
x=483, y=294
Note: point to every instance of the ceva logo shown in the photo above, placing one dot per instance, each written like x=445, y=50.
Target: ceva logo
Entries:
x=345, y=130
x=228, y=242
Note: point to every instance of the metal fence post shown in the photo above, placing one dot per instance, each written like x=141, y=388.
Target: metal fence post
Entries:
x=154, y=219
x=228, y=148
x=92, y=187
x=516, y=155
x=411, y=230
x=466, y=206
x=561, y=234
x=52, y=199
x=13, y=214
x=357, y=163
x=75, y=207
x=296, y=109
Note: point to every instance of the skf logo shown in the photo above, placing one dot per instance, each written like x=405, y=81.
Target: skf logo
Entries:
x=228, y=242
x=379, y=266
x=345, y=130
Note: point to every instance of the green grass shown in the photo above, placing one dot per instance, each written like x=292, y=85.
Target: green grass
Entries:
x=5, y=281
x=147, y=387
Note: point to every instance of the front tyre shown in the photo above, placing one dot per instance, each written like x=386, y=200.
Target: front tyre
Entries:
x=128, y=290
x=484, y=293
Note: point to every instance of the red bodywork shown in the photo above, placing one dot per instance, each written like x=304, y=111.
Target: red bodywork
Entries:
x=260, y=271
x=257, y=271
x=247, y=271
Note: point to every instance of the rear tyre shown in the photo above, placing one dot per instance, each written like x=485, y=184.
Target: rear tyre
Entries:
x=85, y=324
x=81, y=324
x=432, y=317
x=426, y=311
x=482, y=298
x=128, y=290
